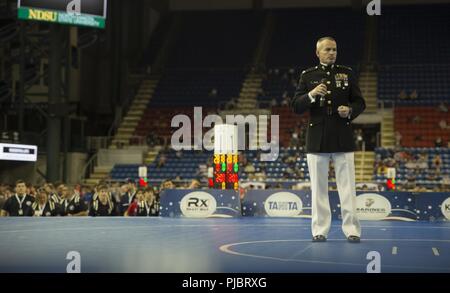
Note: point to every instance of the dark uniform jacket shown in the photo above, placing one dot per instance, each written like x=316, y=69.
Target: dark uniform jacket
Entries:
x=327, y=131
x=73, y=206
x=51, y=209
x=15, y=208
x=98, y=209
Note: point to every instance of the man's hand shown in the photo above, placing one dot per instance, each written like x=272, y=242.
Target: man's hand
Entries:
x=320, y=90
x=343, y=111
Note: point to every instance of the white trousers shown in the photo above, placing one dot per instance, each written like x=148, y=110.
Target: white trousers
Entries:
x=344, y=166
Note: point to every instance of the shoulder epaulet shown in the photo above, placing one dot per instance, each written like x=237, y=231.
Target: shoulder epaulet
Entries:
x=345, y=67
x=310, y=69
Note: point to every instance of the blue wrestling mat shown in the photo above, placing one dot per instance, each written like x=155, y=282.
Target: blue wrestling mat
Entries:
x=217, y=245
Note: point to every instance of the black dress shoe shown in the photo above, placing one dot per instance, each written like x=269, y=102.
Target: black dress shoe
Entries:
x=353, y=239
x=319, y=238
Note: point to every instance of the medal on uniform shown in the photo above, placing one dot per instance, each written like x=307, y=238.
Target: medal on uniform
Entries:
x=20, y=212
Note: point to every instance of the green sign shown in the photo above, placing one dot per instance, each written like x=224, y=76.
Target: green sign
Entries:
x=71, y=13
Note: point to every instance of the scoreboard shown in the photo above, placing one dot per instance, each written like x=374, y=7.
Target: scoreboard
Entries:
x=226, y=158
x=226, y=171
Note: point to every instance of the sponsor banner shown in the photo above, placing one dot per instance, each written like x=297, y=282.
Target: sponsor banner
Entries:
x=277, y=203
x=432, y=206
x=193, y=203
x=390, y=205
x=372, y=206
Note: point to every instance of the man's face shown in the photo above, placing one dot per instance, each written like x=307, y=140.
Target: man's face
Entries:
x=327, y=52
x=21, y=188
x=168, y=185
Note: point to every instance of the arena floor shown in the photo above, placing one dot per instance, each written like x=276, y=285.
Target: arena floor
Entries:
x=216, y=245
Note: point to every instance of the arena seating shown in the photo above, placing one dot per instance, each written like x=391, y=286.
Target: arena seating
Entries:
x=294, y=42
x=192, y=87
x=429, y=81
x=421, y=177
x=414, y=35
x=419, y=126
x=216, y=39
x=413, y=54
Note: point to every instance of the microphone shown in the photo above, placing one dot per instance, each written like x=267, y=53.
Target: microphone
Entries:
x=322, y=98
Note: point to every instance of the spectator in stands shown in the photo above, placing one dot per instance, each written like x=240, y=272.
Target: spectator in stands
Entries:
x=438, y=142
x=19, y=204
x=102, y=205
x=416, y=119
x=167, y=184
x=294, y=139
x=442, y=108
x=151, y=202
x=43, y=207
x=443, y=124
x=195, y=184
x=437, y=163
x=161, y=161
x=249, y=168
x=398, y=139
x=273, y=102
x=213, y=93
x=359, y=139
x=331, y=110
x=402, y=95
x=413, y=95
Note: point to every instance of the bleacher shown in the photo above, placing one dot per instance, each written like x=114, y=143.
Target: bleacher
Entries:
x=185, y=167
x=413, y=54
x=422, y=177
x=216, y=39
x=297, y=31
x=192, y=87
x=425, y=130
x=414, y=35
x=431, y=82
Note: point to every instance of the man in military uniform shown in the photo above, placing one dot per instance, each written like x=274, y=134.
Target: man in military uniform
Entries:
x=332, y=96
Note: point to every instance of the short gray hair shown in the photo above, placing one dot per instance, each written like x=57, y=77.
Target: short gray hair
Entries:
x=324, y=39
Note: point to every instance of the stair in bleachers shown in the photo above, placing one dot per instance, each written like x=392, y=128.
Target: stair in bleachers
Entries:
x=368, y=86
x=249, y=91
x=128, y=126
x=387, y=129
x=364, y=162
x=100, y=173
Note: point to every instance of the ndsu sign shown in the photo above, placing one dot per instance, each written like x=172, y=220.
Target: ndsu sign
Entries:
x=76, y=12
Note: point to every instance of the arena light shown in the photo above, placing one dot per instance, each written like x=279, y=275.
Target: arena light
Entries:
x=18, y=152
